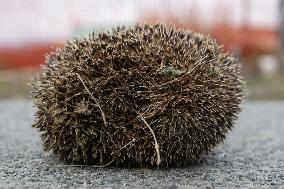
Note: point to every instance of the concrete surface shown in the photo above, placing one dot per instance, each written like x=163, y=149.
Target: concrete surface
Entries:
x=252, y=157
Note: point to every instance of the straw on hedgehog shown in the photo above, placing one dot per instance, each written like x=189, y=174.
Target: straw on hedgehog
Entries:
x=140, y=96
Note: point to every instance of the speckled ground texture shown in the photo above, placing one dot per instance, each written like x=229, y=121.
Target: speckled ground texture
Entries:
x=251, y=157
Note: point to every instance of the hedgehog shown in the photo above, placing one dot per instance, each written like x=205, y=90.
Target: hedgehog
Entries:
x=144, y=95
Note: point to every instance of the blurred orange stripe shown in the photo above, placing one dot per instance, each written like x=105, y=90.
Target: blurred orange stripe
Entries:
x=27, y=56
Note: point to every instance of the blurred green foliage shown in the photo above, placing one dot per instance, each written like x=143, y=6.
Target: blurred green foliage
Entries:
x=265, y=87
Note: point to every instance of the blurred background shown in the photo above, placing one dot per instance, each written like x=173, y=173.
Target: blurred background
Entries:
x=251, y=29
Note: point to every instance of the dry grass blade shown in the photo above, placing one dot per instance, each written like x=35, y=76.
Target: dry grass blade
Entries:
x=155, y=140
x=96, y=101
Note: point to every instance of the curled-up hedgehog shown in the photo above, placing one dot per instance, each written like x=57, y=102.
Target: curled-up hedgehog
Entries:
x=141, y=96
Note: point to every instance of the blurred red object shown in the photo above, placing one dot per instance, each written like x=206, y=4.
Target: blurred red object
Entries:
x=26, y=56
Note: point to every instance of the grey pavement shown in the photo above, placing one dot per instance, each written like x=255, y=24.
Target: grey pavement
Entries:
x=251, y=157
